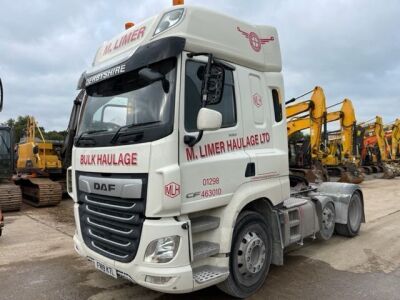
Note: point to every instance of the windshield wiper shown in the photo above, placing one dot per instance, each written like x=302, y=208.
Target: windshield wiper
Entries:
x=89, y=132
x=117, y=133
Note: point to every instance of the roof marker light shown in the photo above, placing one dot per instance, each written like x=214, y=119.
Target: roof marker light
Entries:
x=129, y=25
x=178, y=2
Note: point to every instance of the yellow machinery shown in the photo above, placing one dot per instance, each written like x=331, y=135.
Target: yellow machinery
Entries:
x=305, y=157
x=341, y=163
x=377, y=149
x=38, y=168
x=395, y=151
x=342, y=156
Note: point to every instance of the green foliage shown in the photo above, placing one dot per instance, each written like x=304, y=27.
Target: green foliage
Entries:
x=55, y=135
x=19, y=125
x=297, y=136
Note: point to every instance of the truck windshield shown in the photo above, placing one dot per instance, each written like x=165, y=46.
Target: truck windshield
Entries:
x=129, y=109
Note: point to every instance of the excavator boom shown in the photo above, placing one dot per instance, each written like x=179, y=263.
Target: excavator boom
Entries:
x=395, y=139
x=316, y=108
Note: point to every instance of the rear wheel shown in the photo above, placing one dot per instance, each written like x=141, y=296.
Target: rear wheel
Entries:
x=327, y=222
x=250, y=256
x=354, y=217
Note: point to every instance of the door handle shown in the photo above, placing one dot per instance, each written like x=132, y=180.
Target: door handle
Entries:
x=250, y=170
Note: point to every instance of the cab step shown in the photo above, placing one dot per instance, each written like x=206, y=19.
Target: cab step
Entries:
x=205, y=274
x=294, y=202
x=204, y=249
x=204, y=223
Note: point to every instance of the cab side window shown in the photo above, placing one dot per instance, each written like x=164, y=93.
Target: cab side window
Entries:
x=193, y=82
x=277, y=105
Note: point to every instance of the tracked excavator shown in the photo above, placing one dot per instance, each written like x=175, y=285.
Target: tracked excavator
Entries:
x=39, y=169
x=337, y=156
x=305, y=155
x=376, y=150
x=343, y=154
x=10, y=194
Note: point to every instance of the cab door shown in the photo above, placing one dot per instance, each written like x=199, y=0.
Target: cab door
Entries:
x=212, y=170
x=256, y=101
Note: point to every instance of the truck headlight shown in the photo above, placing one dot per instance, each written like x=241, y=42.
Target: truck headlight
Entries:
x=162, y=250
x=169, y=20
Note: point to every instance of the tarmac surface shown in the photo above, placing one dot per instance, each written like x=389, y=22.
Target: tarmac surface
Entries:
x=37, y=260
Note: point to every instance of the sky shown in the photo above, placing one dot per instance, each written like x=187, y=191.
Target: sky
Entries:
x=351, y=48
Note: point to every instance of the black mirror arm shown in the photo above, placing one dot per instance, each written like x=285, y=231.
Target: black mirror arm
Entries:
x=1, y=95
x=188, y=139
x=191, y=140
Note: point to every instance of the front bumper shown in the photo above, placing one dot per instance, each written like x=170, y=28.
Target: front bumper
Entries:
x=178, y=268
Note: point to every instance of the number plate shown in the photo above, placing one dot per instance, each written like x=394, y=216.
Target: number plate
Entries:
x=105, y=269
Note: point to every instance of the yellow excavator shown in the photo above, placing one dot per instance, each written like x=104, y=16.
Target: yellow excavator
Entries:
x=395, y=141
x=38, y=169
x=337, y=156
x=376, y=149
x=305, y=155
x=343, y=155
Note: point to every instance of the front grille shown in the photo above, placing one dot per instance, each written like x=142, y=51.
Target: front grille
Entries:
x=111, y=226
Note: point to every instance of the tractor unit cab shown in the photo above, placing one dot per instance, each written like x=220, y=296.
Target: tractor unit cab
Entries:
x=179, y=168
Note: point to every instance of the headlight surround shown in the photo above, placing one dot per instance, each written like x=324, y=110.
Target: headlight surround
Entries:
x=162, y=250
x=169, y=20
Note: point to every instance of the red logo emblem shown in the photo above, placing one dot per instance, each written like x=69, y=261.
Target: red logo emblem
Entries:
x=172, y=189
x=257, y=100
x=255, y=41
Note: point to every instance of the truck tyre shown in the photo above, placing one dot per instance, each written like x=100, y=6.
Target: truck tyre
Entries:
x=250, y=257
x=354, y=217
x=327, y=222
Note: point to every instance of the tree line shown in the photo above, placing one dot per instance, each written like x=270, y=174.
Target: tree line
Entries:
x=19, y=126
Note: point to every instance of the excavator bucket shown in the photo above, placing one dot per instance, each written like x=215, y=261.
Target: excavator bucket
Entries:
x=388, y=171
x=351, y=174
x=350, y=178
x=316, y=174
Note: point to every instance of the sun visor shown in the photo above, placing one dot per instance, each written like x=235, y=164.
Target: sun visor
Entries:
x=147, y=54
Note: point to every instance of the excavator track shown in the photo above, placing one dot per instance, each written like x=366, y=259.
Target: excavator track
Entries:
x=41, y=192
x=10, y=197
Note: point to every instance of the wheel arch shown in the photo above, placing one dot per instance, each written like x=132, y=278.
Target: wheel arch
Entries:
x=341, y=194
x=265, y=207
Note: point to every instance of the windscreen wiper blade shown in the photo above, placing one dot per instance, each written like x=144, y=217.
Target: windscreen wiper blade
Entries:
x=118, y=132
x=89, y=132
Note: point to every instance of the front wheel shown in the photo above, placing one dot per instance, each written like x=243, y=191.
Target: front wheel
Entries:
x=250, y=256
x=354, y=217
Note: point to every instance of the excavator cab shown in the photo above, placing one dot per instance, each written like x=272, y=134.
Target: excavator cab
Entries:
x=10, y=194
x=6, y=153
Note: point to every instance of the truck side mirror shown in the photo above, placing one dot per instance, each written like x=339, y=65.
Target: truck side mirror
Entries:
x=1, y=95
x=213, y=84
x=209, y=119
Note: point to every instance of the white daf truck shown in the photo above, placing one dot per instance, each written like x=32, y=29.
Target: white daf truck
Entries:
x=180, y=172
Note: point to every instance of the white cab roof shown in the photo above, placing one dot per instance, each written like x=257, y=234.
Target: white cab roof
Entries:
x=230, y=39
